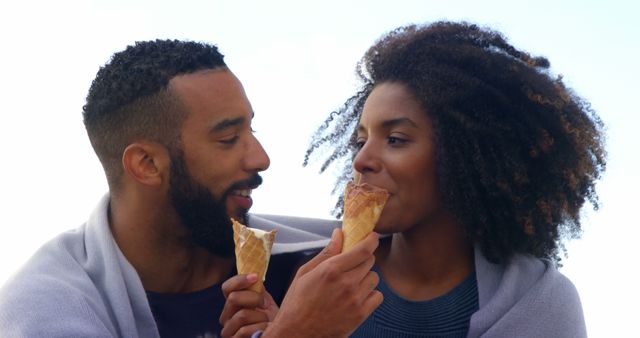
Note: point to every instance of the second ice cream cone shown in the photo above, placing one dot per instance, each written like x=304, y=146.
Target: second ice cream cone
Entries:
x=253, y=250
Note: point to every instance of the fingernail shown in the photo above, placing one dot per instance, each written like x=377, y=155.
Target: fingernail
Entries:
x=334, y=233
x=252, y=278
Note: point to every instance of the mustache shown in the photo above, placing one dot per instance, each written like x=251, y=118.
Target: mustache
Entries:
x=252, y=182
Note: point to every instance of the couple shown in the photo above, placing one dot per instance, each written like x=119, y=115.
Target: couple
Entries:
x=487, y=157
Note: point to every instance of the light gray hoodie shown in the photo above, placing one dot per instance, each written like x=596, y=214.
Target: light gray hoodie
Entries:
x=80, y=285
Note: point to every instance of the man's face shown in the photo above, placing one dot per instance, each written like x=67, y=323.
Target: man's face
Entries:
x=204, y=215
x=219, y=158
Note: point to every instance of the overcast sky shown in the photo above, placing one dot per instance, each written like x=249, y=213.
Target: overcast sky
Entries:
x=296, y=61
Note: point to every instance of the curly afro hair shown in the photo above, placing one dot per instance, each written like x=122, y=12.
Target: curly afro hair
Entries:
x=518, y=153
x=130, y=99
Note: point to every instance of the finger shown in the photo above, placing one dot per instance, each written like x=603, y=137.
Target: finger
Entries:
x=371, y=303
x=359, y=254
x=368, y=284
x=357, y=275
x=249, y=330
x=238, y=282
x=244, y=317
x=269, y=306
x=368, y=244
x=237, y=300
x=267, y=300
x=333, y=248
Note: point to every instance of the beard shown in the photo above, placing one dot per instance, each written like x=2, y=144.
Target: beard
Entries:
x=204, y=216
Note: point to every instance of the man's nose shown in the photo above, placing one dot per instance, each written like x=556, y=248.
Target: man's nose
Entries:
x=256, y=158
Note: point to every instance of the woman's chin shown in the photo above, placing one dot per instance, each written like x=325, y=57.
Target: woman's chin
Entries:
x=384, y=229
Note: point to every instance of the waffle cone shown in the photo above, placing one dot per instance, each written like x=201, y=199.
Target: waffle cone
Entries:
x=253, y=250
x=363, y=204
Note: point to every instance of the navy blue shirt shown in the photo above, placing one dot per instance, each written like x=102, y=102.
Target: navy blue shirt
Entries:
x=444, y=316
x=196, y=314
x=188, y=315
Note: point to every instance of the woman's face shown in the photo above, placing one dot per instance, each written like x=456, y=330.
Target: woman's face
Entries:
x=397, y=153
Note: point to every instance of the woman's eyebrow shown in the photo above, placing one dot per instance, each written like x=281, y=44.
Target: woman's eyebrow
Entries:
x=392, y=123
x=399, y=121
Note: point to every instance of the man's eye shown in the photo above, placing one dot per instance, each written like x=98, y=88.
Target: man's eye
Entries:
x=230, y=141
x=360, y=143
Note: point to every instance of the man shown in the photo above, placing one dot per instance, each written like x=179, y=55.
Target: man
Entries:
x=171, y=125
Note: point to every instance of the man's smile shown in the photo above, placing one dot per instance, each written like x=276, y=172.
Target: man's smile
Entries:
x=241, y=198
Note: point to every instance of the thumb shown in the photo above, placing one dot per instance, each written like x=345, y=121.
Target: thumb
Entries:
x=333, y=248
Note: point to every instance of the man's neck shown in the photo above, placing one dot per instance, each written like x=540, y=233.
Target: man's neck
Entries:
x=158, y=248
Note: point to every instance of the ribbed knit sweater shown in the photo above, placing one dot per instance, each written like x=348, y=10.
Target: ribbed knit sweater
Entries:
x=444, y=316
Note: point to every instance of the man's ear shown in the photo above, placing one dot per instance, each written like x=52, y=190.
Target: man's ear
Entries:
x=146, y=162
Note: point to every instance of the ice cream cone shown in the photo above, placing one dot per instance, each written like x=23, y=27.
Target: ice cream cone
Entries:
x=363, y=204
x=253, y=250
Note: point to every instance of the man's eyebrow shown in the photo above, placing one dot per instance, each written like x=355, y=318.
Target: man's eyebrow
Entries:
x=227, y=123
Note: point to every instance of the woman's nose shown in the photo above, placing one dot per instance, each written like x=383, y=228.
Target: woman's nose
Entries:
x=367, y=159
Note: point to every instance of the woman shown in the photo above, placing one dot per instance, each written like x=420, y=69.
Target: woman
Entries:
x=488, y=159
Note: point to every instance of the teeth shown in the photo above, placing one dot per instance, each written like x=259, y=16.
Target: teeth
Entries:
x=244, y=192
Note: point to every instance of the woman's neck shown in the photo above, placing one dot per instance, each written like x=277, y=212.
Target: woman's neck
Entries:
x=426, y=261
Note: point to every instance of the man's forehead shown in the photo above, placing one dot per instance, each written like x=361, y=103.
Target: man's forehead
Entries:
x=209, y=87
x=214, y=97
x=197, y=79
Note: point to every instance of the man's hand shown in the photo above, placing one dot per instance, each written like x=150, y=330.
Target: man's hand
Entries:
x=332, y=294
x=245, y=311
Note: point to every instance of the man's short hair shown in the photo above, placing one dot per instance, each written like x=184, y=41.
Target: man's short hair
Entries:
x=130, y=99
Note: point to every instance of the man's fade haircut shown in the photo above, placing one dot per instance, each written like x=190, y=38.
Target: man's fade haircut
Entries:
x=130, y=100
x=517, y=152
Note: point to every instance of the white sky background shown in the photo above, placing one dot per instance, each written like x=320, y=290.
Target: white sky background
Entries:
x=296, y=61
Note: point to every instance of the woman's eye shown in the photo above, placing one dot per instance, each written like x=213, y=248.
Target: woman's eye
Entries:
x=396, y=140
x=360, y=144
